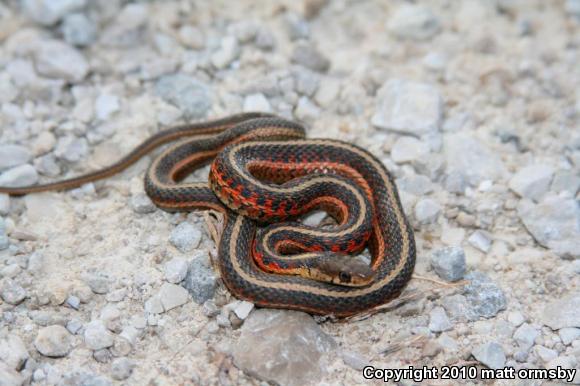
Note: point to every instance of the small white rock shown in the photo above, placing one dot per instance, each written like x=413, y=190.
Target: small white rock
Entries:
x=172, y=296
x=55, y=59
x=408, y=149
x=427, y=211
x=532, y=181
x=22, y=175
x=53, y=341
x=480, y=240
x=257, y=102
x=97, y=336
x=176, y=270
x=413, y=21
x=408, y=107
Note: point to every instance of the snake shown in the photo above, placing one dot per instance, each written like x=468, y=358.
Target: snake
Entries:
x=264, y=175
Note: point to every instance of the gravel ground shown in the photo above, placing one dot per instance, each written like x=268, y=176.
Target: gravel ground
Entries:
x=473, y=105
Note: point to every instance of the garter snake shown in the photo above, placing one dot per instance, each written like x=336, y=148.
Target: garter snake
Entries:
x=263, y=170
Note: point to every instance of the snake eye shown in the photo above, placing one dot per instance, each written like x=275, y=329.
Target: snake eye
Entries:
x=344, y=277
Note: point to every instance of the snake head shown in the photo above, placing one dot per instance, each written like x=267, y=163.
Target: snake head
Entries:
x=342, y=270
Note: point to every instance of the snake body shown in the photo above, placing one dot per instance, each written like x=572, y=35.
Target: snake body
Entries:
x=264, y=171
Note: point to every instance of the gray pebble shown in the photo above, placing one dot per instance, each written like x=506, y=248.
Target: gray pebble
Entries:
x=47, y=165
x=553, y=223
x=172, y=296
x=306, y=82
x=103, y=355
x=516, y=318
x=466, y=154
x=490, y=354
x=309, y=57
x=22, y=175
x=545, y=354
x=97, y=336
x=455, y=182
x=97, y=283
x=408, y=149
x=13, y=351
x=73, y=302
x=142, y=204
x=176, y=270
x=265, y=39
x=49, y=12
x=10, y=271
x=55, y=59
x=354, y=359
x=297, y=26
x=525, y=336
x=185, y=92
x=480, y=240
x=398, y=108
x=12, y=292
x=228, y=52
x=185, y=237
x=106, y=105
x=257, y=102
x=72, y=149
x=306, y=110
x=201, y=279
x=438, y=320
x=532, y=181
x=13, y=155
x=459, y=309
x=449, y=263
x=121, y=368
x=416, y=184
x=79, y=30
x=53, y=341
x=569, y=334
x=562, y=312
x=427, y=211
x=484, y=296
x=565, y=181
x=74, y=326
x=413, y=21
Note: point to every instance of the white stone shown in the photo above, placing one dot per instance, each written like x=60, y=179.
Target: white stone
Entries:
x=49, y=12
x=106, y=105
x=427, y=211
x=55, y=59
x=408, y=107
x=327, y=92
x=490, y=354
x=97, y=336
x=525, y=335
x=227, y=53
x=257, y=102
x=467, y=155
x=413, y=21
x=408, y=149
x=554, y=223
x=243, y=309
x=13, y=155
x=185, y=237
x=53, y=341
x=480, y=240
x=22, y=175
x=306, y=110
x=172, y=296
x=532, y=181
x=176, y=269
x=438, y=320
